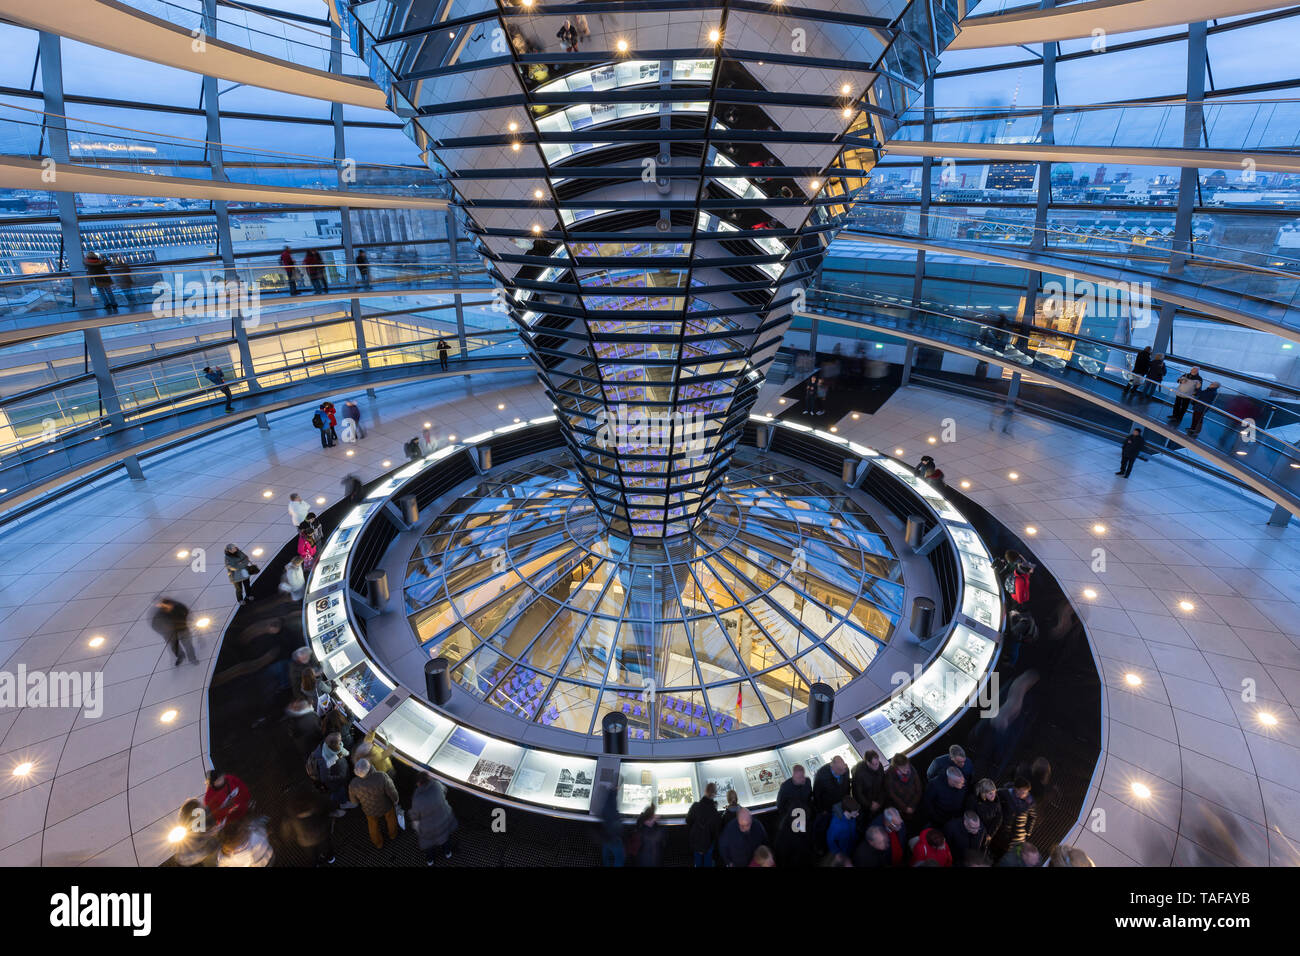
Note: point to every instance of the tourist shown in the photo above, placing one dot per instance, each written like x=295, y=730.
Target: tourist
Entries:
x=377, y=796
x=984, y=801
x=842, y=831
x=218, y=378
x=298, y=509
x=1019, y=813
x=740, y=838
x=648, y=839
x=868, y=784
x=320, y=422
x=955, y=757
x=246, y=844
x=290, y=269
x=294, y=580
x=703, y=824
x=1189, y=383
x=1129, y=451
x=352, y=412
x=903, y=789
x=328, y=768
x=1204, y=400
x=831, y=785
x=930, y=848
x=308, y=825
x=433, y=819
x=202, y=839
x=945, y=796
x=874, y=850
x=171, y=619
x=226, y=798
x=240, y=569
x=966, y=836
x=1141, y=364
x=797, y=791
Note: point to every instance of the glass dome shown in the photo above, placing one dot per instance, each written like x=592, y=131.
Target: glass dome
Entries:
x=546, y=616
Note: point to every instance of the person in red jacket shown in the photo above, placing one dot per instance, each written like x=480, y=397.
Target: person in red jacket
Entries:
x=1020, y=584
x=290, y=269
x=931, y=849
x=226, y=798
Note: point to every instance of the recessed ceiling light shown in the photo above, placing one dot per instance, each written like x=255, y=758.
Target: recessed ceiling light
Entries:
x=1030, y=529
x=515, y=147
x=1013, y=475
x=516, y=421
x=898, y=451
x=257, y=552
x=428, y=424
x=780, y=401
x=816, y=184
x=1099, y=529
x=714, y=36
x=268, y=493
x=621, y=46
x=1266, y=718
x=1133, y=680
x=1141, y=790
x=23, y=769
x=1089, y=593
x=386, y=463
x=182, y=555
x=965, y=484
x=537, y=194
x=536, y=228
x=168, y=715
x=451, y=438
x=351, y=453
x=1187, y=605
x=1242, y=453
x=856, y=416
x=96, y=641
x=834, y=428
x=320, y=500
x=845, y=90
x=501, y=407
x=203, y=622
x=932, y=440
x=513, y=126
x=176, y=834
x=846, y=112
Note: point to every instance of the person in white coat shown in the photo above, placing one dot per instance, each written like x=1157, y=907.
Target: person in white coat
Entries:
x=294, y=580
x=298, y=509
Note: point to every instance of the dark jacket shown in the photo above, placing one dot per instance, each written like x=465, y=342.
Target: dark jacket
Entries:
x=868, y=786
x=1132, y=446
x=1205, y=396
x=736, y=848
x=1156, y=371
x=942, y=802
x=649, y=841
x=1142, y=362
x=792, y=794
x=329, y=777
x=829, y=790
x=310, y=827
x=216, y=376
x=376, y=793
x=903, y=794
x=962, y=843
x=431, y=815
x=990, y=812
x=703, y=824
x=170, y=624
x=940, y=764
x=1018, y=816
x=794, y=848
x=867, y=856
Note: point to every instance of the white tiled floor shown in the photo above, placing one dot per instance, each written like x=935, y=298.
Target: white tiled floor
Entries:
x=1225, y=788
x=105, y=791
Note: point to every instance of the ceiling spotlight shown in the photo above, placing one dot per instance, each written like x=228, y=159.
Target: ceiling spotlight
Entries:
x=182, y=555
x=1099, y=529
x=451, y=34
x=621, y=46
x=386, y=463
x=537, y=194
x=528, y=3
x=536, y=229
x=257, y=552
x=320, y=500
x=1013, y=475
x=715, y=36
x=501, y=407
x=834, y=428
x=451, y=438
x=1187, y=605
x=1242, y=453
x=1030, y=529
x=780, y=401
x=1133, y=680
x=268, y=493
x=96, y=641
x=1267, y=719
x=898, y=451
x=1141, y=791
x=513, y=126
x=1089, y=593
x=846, y=112
x=168, y=715
x=23, y=769
x=932, y=440
x=965, y=484
x=816, y=184
x=845, y=90
x=176, y=834
x=203, y=622
x=428, y=424
x=351, y=453
x=516, y=421
x=515, y=147
x=856, y=416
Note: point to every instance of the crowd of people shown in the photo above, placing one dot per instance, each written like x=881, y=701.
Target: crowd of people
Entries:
x=326, y=420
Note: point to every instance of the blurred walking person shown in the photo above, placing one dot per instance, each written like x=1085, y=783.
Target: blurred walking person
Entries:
x=1204, y=400
x=290, y=267
x=433, y=819
x=171, y=619
x=363, y=268
x=315, y=268
x=309, y=826
x=298, y=509
x=97, y=270
x=218, y=378
x=352, y=412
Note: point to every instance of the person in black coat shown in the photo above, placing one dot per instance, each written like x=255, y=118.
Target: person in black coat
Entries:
x=703, y=824
x=831, y=785
x=1019, y=814
x=874, y=850
x=1129, y=452
x=740, y=838
x=793, y=845
x=944, y=798
x=966, y=836
x=1154, y=376
x=309, y=826
x=648, y=839
x=1204, y=399
x=955, y=757
x=797, y=791
x=984, y=801
x=1141, y=363
x=868, y=785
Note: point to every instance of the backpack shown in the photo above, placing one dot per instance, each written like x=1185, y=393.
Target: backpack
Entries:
x=317, y=421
